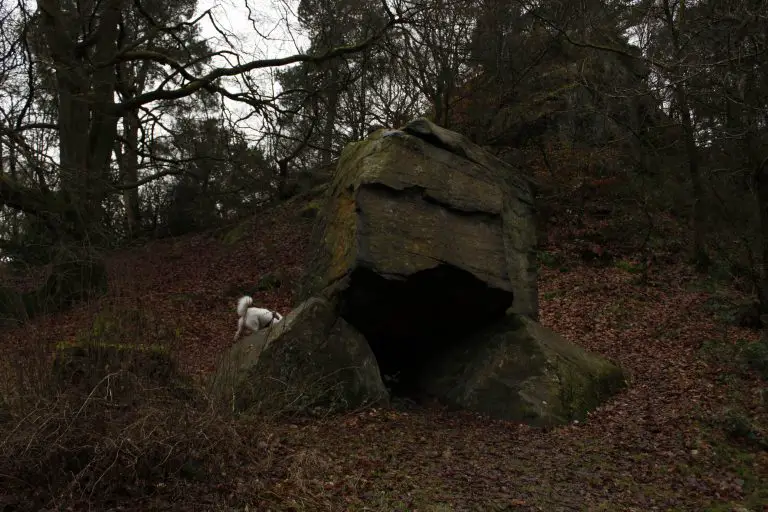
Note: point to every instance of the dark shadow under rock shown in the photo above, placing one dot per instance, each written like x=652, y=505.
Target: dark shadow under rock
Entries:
x=409, y=321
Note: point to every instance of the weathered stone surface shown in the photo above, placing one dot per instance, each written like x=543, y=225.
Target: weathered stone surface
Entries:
x=405, y=201
x=520, y=370
x=313, y=358
x=423, y=274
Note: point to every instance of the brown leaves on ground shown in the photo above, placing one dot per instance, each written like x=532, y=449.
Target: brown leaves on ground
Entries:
x=190, y=286
x=655, y=446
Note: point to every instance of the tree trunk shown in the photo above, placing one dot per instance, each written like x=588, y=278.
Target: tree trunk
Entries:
x=332, y=101
x=87, y=124
x=282, y=178
x=761, y=197
x=700, y=254
x=762, y=206
x=130, y=172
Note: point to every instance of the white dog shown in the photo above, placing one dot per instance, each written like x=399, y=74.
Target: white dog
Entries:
x=252, y=317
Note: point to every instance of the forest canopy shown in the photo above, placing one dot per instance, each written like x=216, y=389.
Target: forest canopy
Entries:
x=132, y=118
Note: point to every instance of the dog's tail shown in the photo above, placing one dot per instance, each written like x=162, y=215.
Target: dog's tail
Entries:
x=243, y=304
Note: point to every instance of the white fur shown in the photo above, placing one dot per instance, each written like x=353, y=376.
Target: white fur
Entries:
x=252, y=317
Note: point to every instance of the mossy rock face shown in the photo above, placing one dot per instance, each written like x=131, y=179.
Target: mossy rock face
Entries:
x=312, y=209
x=405, y=201
x=520, y=370
x=312, y=359
x=236, y=234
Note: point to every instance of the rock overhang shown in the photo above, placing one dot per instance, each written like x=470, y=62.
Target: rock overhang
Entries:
x=407, y=200
x=408, y=320
x=401, y=232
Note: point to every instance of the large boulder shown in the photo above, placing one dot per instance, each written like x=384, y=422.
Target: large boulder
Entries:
x=424, y=237
x=412, y=200
x=311, y=359
x=520, y=370
x=422, y=275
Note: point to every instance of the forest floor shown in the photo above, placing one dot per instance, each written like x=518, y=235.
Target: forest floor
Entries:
x=687, y=434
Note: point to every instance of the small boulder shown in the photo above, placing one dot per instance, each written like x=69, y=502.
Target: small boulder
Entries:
x=311, y=359
x=520, y=370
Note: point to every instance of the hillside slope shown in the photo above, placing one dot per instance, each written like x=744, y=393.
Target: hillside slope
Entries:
x=660, y=445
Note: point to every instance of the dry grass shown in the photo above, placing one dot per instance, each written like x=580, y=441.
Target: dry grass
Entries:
x=108, y=418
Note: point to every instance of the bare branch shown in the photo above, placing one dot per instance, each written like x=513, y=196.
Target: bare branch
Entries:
x=207, y=81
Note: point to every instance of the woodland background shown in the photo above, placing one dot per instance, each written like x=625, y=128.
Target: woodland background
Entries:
x=189, y=163
x=119, y=120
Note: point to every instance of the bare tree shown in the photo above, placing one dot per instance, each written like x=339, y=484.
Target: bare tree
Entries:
x=133, y=78
x=435, y=52
x=85, y=45
x=665, y=32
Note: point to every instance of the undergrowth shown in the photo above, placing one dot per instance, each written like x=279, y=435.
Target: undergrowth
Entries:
x=107, y=419
x=118, y=427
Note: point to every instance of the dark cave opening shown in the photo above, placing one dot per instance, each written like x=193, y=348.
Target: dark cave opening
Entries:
x=408, y=321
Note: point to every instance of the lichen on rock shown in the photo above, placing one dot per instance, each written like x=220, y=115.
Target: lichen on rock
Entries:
x=423, y=274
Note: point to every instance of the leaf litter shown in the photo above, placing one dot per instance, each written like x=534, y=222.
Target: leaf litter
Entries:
x=651, y=447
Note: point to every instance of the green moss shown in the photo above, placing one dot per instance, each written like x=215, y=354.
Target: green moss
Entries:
x=583, y=390
x=66, y=345
x=523, y=371
x=630, y=266
x=339, y=240
x=335, y=226
x=745, y=464
x=312, y=209
x=549, y=259
x=236, y=234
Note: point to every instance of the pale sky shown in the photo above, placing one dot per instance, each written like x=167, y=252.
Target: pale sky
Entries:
x=268, y=30
x=269, y=18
